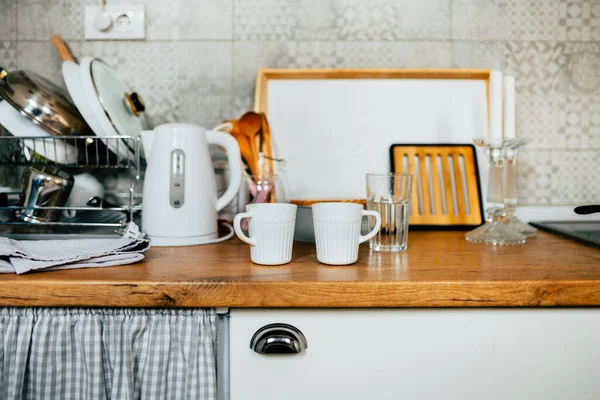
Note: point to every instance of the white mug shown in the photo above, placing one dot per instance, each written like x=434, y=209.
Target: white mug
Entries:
x=337, y=231
x=271, y=230
x=84, y=188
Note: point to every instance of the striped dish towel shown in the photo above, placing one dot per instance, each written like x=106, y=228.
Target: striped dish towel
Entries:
x=21, y=256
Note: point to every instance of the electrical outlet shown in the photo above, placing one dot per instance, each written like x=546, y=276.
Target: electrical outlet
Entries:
x=117, y=22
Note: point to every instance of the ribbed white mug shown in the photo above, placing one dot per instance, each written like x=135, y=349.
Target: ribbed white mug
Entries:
x=337, y=231
x=271, y=231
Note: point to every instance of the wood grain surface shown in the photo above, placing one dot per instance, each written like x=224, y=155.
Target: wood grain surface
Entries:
x=440, y=269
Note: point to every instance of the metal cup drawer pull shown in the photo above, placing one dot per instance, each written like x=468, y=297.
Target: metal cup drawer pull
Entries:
x=278, y=339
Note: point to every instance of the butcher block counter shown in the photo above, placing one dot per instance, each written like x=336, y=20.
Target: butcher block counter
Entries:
x=440, y=269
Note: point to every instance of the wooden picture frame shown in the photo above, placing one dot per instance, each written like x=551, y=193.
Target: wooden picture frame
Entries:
x=266, y=74
x=281, y=84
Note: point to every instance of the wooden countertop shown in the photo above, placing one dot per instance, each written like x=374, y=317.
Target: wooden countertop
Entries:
x=440, y=269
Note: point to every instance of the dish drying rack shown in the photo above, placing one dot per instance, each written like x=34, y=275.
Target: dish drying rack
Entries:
x=108, y=155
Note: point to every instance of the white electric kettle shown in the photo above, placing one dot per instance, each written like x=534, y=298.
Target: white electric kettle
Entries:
x=180, y=202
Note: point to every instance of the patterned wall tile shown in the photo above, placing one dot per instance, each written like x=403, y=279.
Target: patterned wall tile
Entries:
x=8, y=20
x=187, y=19
x=505, y=19
x=38, y=21
x=263, y=19
x=478, y=55
x=363, y=21
x=535, y=65
x=580, y=68
x=533, y=19
x=479, y=19
x=202, y=66
x=41, y=58
x=579, y=95
x=315, y=19
x=394, y=54
x=579, y=120
x=204, y=110
x=534, y=177
x=161, y=107
x=393, y=19
x=8, y=55
x=575, y=178
x=579, y=20
x=311, y=55
x=248, y=57
x=538, y=120
x=341, y=19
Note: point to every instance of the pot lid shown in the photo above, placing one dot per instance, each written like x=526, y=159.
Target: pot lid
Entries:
x=43, y=102
x=121, y=106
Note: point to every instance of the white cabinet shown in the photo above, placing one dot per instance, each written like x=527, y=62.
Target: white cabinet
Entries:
x=422, y=354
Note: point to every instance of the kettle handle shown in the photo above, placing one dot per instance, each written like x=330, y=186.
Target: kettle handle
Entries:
x=235, y=165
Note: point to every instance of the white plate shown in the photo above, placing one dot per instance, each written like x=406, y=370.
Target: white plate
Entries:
x=72, y=78
x=334, y=131
x=54, y=149
x=100, y=106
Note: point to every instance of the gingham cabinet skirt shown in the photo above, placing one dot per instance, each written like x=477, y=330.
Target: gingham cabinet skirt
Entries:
x=121, y=354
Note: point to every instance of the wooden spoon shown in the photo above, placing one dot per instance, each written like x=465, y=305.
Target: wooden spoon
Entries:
x=244, y=145
x=266, y=136
x=250, y=124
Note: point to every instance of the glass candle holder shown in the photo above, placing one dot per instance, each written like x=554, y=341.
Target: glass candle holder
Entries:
x=495, y=230
x=510, y=189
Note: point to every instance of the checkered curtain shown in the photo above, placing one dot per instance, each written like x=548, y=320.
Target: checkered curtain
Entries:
x=70, y=353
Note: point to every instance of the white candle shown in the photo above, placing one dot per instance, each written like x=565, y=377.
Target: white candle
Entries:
x=509, y=107
x=496, y=108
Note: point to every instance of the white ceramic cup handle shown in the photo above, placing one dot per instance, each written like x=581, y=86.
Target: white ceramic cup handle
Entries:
x=238, y=228
x=377, y=225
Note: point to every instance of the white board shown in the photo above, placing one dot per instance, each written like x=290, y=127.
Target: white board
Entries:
x=334, y=131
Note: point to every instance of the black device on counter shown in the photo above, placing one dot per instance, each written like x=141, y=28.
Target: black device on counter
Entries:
x=585, y=232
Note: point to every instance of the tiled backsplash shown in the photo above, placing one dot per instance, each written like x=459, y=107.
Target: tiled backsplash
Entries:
x=200, y=59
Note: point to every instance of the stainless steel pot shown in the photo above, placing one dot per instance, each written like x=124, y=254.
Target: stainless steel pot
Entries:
x=43, y=187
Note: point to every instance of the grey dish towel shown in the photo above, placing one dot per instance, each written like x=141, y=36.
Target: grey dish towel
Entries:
x=22, y=256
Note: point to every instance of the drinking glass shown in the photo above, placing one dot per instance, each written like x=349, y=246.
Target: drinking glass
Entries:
x=274, y=169
x=389, y=194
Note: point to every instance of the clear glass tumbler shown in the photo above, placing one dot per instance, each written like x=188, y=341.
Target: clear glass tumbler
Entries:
x=274, y=169
x=389, y=194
